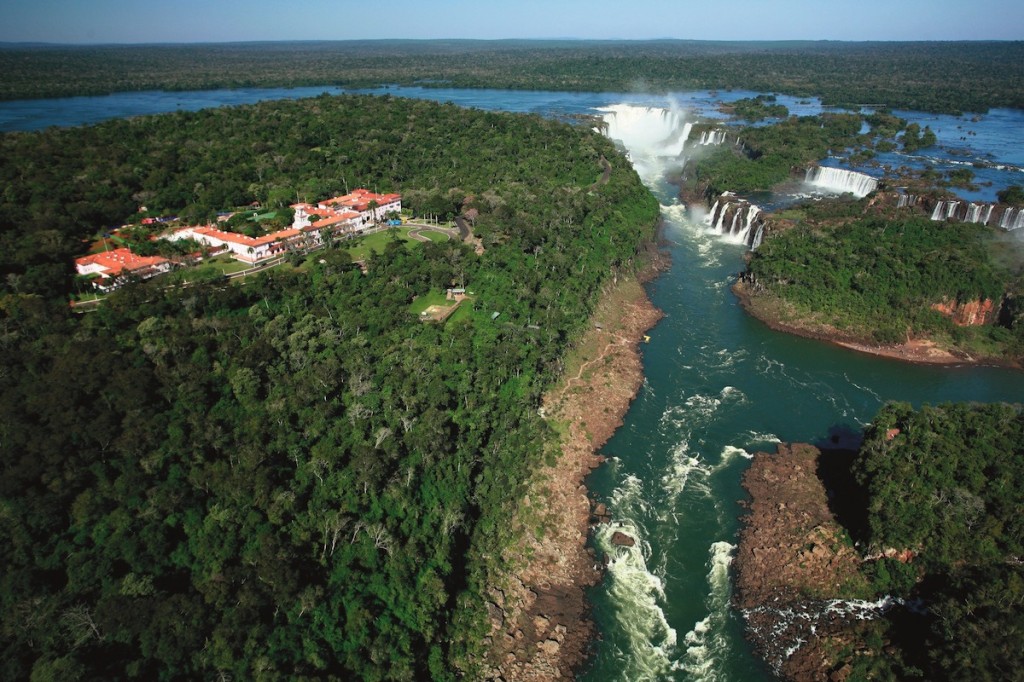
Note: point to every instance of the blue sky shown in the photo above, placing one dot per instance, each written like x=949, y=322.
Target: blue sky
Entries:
x=134, y=21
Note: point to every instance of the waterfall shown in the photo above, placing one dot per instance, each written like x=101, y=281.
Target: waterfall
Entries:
x=710, y=219
x=721, y=217
x=841, y=181
x=945, y=210
x=1012, y=219
x=973, y=213
x=743, y=224
x=649, y=132
x=752, y=212
x=712, y=137
x=988, y=214
x=735, y=219
x=906, y=200
x=758, y=238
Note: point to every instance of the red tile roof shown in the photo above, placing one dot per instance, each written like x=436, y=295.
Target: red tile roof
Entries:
x=334, y=218
x=360, y=199
x=120, y=260
x=245, y=240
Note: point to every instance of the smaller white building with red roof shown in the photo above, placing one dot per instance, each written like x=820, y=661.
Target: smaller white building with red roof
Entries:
x=109, y=266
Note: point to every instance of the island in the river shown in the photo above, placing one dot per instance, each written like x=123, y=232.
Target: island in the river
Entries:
x=901, y=560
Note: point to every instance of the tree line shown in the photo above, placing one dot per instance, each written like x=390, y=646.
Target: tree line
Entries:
x=947, y=77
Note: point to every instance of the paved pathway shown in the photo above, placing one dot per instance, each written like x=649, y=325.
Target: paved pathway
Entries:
x=416, y=231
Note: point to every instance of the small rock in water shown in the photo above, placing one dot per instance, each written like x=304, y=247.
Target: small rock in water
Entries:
x=622, y=540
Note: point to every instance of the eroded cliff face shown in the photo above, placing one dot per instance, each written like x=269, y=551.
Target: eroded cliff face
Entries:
x=969, y=313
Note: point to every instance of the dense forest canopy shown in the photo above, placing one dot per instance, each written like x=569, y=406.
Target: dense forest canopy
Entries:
x=942, y=486
x=293, y=478
x=927, y=76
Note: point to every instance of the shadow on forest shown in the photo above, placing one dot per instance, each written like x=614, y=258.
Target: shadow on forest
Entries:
x=847, y=500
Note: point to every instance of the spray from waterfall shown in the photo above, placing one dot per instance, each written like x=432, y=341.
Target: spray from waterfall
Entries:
x=654, y=136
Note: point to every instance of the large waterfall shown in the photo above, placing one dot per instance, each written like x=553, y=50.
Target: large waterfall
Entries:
x=841, y=181
x=653, y=135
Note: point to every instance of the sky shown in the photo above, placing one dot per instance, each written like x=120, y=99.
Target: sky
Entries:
x=161, y=21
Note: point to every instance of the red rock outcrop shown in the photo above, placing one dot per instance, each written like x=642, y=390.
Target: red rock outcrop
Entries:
x=969, y=313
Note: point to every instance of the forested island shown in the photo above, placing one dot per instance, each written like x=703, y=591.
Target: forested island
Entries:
x=927, y=76
x=904, y=287
x=295, y=477
x=908, y=568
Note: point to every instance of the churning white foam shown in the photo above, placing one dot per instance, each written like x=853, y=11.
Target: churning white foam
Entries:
x=687, y=220
x=676, y=214
x=707, y=644
x=636, y=593
x=656, y=131
x=755, y=438
x=730, y=454
x=654, y=136
x=685, y=470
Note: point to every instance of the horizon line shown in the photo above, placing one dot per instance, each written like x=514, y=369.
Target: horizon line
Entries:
x=53, y=44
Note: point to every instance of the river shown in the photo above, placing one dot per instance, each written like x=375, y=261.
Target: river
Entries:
x=720, y=385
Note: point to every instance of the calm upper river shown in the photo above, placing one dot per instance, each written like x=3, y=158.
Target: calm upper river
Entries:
x=719, y=386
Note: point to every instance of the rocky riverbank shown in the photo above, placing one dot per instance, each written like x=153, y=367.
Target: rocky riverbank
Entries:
x=798, y=578
x=539, y=623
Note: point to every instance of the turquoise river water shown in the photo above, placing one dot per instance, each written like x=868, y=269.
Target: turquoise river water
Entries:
x=719, y=385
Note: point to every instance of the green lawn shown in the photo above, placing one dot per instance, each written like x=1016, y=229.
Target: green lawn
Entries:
x=105, y=244
x=227, y=265
x=424, y=301
x=435, y=236
x=430, y=298
x=361, y=246
x=463, y=313
x=85, y=296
